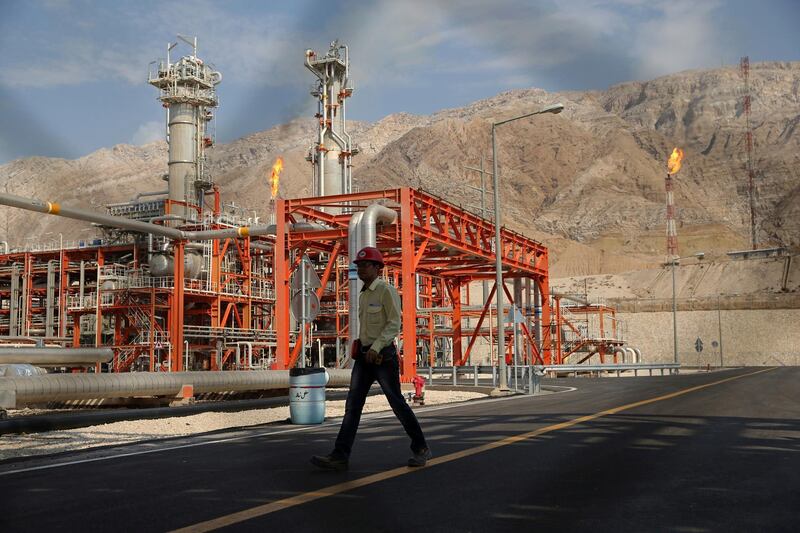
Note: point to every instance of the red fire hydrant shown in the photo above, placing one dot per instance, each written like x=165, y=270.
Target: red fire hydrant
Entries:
x=419, y=392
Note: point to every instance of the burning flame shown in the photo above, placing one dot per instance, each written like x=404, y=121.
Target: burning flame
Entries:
x=276, y=176
x=674, y=163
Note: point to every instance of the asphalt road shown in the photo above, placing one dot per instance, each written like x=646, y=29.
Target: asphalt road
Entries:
x=693, y=453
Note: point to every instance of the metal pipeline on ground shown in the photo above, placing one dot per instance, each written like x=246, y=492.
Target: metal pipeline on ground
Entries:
x=18, y=391
x=55, y=356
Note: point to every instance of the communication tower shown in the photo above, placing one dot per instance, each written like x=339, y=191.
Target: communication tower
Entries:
x=744, y=69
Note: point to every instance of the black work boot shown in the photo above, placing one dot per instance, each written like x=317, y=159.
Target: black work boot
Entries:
x=420, y=458
x=329, y=462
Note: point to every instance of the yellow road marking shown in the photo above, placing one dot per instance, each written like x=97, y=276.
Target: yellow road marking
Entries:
x=267, y=508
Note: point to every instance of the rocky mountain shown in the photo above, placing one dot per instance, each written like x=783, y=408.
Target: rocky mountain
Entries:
x=588, y=182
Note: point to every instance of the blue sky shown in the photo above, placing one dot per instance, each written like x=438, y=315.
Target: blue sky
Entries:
x=72, y=72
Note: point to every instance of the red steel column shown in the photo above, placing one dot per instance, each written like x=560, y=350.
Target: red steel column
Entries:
x=454, y=288
x=98, y=325
x=281, y=269
x=408, y=365
x=176, y=335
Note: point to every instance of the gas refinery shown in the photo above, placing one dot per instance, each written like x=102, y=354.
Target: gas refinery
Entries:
x=178, y=281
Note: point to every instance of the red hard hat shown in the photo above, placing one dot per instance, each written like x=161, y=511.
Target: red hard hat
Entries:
x=369, y=253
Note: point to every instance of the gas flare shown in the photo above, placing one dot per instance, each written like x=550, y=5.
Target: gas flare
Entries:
x=275, y=178
x=674, y=163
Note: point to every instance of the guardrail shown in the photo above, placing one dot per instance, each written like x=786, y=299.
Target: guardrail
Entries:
x=530, y=375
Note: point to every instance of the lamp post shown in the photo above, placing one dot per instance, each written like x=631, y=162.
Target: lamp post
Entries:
x=672, y=264
x=498, y=252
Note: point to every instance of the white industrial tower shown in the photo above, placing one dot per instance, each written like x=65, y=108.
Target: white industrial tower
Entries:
x=187, y=91
x=331, y=154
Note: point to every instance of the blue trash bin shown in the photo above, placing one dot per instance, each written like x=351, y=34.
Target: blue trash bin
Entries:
x=307, y=395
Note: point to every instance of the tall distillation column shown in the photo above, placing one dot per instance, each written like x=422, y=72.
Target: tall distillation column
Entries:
x=331, y=154
x=187, y=91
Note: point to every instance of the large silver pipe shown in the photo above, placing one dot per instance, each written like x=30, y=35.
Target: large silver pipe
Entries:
x=361, y=232
x=149, y=193
x=54, y=208
x=374, y=214
x=18, y=391
x=183, y=151
x=353, y=242
x=55, y=356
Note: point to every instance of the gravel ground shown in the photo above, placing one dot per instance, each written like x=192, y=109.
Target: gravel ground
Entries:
x=15, y=445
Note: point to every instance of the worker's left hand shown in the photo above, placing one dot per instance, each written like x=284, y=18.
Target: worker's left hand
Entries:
x=373, y=357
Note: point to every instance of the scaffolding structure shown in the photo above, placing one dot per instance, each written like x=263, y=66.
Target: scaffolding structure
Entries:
x=432, y=253
x=582, y=330
x=235, y=312
x=108, y=295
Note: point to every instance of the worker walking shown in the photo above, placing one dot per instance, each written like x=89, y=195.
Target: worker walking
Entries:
x=375, y=356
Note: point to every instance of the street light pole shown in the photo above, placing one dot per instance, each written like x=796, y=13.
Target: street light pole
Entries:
x=498, y=272
x=498, y=244
x=674, y=317
x=673, y=262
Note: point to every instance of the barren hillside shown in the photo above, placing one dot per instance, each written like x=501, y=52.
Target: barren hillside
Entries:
x=588, y=182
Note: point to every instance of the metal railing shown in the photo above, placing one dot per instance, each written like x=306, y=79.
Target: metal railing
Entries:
x=527, y=373
x=231, y=334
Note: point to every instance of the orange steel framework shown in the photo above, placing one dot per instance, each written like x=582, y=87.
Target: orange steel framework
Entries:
x=434, y=251
x=576, y=342
x=441, y=243
x=145, y=316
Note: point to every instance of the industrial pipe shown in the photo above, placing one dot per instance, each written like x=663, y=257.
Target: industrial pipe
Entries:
x=374, y=214
x=361, y=232
x=55, y=356
x=353, y=243
x=149, y=193
x=53, y=208
x=18, y=391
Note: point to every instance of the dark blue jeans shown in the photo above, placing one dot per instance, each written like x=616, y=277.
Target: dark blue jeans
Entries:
x=362, y=378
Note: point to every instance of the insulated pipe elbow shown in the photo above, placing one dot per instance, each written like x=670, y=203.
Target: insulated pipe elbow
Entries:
x=374, y=214
x=630, y=353
x=309, y=54
x=353, y=246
